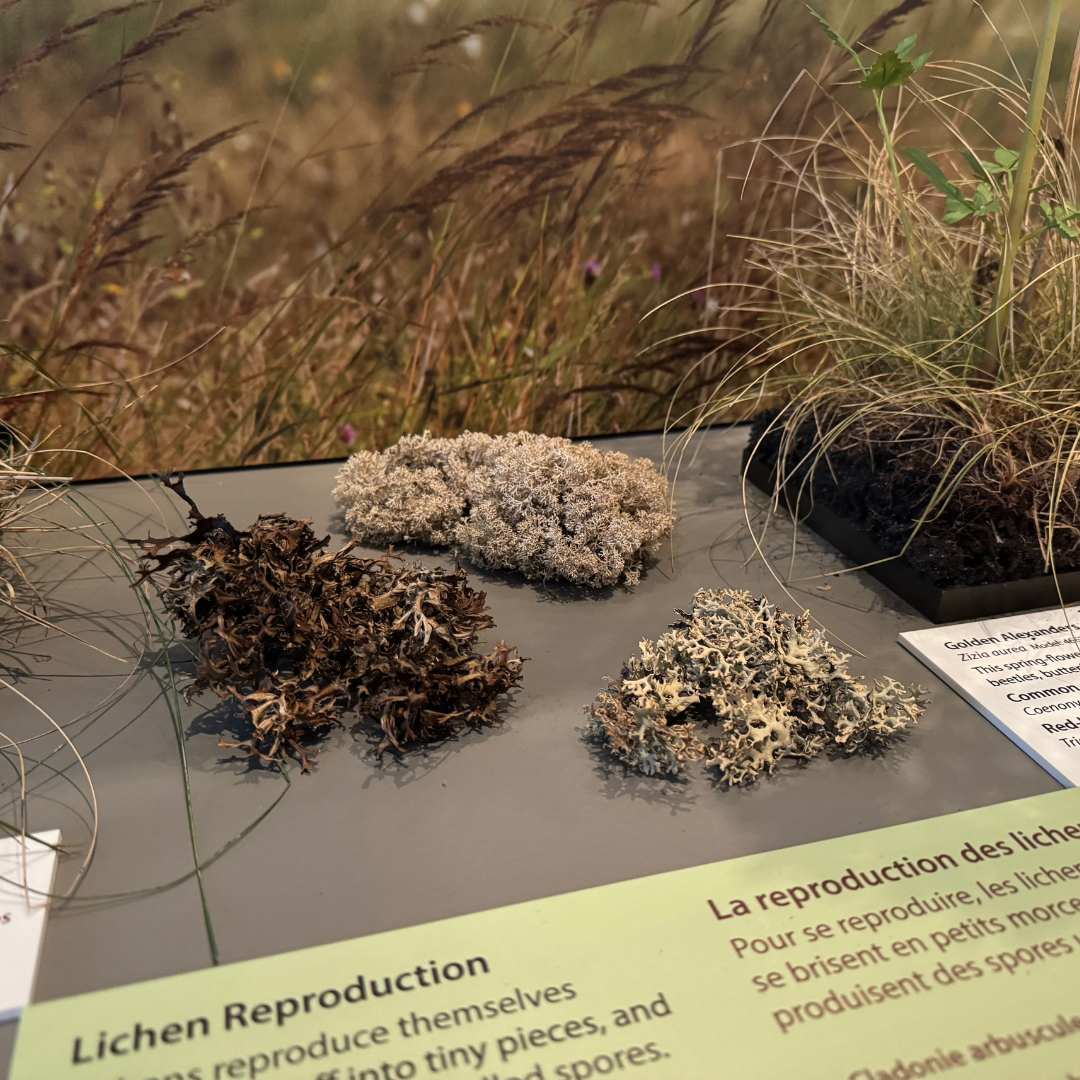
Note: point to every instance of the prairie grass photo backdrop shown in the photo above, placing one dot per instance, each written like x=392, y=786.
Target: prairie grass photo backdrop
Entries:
x=271, y=230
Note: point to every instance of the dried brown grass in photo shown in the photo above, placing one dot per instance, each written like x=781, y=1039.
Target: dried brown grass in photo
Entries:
x=401, y=216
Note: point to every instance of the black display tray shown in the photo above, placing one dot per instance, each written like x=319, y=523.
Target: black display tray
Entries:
x=939, y=605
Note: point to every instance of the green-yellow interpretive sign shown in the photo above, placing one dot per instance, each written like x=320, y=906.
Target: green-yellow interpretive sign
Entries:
x=942, y=947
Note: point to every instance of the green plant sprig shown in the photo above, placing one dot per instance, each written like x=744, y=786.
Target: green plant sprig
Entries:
x=990, y=363
x=988, y=204
x=892, y=68
x=993, y=186
x=1003, y=192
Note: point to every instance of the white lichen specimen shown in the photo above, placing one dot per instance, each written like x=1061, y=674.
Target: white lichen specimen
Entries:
x=544, y=506
x=413, y=492
x=768, y=684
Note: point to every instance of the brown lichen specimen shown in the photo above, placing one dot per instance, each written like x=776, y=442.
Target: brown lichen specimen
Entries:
x=770, y=686
x=300, y=636
x=544, y=506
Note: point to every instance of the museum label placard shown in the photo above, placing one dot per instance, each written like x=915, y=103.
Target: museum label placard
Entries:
x=26, y=879
x=1022, y=672
x=946, y=944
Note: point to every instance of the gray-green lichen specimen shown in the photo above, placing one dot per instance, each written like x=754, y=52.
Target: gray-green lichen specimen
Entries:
x=767, y=684
x=545, y=506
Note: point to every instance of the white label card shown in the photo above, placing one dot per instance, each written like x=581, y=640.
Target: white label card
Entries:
x=1022, y=672
x=23, y=873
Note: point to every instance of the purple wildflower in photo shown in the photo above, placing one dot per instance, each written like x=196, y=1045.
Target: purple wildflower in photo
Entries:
x=347, y=434
x=657, y=272
x=593, y=269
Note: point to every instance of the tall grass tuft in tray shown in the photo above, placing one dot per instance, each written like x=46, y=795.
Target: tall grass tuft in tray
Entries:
x=918, y=317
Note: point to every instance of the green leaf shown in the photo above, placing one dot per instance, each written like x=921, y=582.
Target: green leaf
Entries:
x=984, y=201
x=905, y=46
x=1004, y=161
x=930, y=169
x=1059, y=218
x=977, y=167
x=889, y=70
x=835, y=38
x=919, y=62
x=956, y=209
x=1006, y=158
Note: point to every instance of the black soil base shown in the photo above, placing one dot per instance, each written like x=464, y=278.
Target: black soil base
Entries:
x=883, y=497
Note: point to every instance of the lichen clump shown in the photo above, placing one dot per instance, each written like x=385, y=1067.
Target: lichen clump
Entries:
x=544, y=506
x=768, y=684
x=299, y=636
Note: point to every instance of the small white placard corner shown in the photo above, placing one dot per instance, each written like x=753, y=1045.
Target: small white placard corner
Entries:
x=26, y=874
x=1022, y=672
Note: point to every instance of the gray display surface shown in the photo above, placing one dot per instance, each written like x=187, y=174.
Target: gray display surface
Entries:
x=514, y=813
